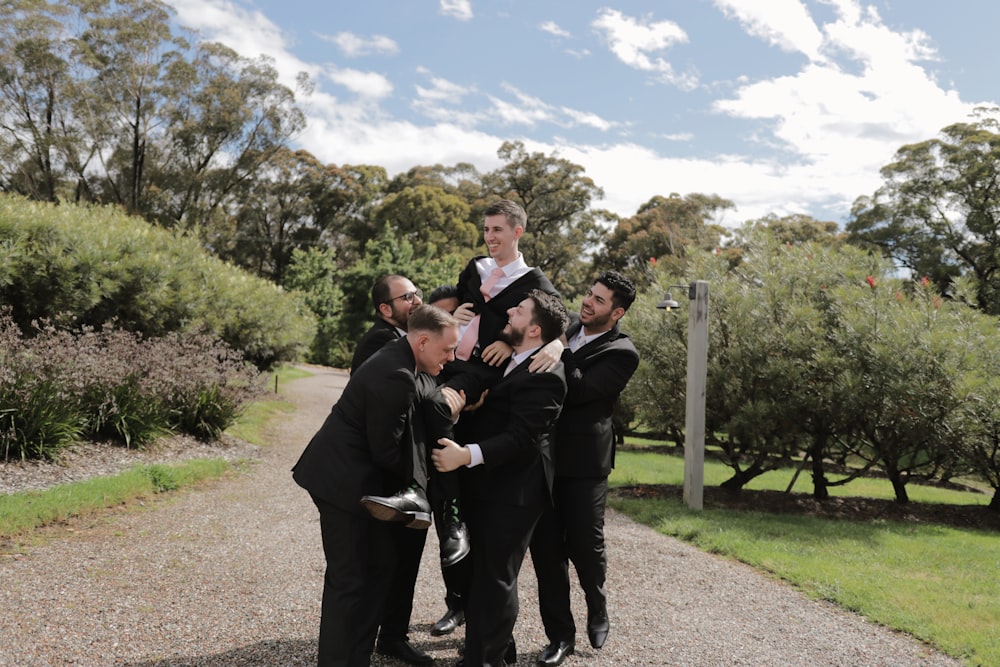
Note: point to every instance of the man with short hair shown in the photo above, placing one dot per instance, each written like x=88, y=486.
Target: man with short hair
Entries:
x=599, y=359
x=394, y=298
x=366, y=446
x=507, y=471
x=487, y=287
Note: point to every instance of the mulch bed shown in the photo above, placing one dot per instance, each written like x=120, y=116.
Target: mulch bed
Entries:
x=851, y=509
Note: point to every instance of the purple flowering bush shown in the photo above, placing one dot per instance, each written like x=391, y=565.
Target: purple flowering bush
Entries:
x=60, y=385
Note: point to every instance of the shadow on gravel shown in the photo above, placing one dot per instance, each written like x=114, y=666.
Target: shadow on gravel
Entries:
x=262, y=654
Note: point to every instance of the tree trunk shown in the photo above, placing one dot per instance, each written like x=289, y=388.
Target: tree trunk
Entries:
x=898, y=486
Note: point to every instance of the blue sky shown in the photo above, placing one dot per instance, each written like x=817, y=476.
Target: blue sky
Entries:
x=782, y=106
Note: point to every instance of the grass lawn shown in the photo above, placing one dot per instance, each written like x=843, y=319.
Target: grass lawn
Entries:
x=937, y=583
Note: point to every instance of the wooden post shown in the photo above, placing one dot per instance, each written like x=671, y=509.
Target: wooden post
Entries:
x=694, y=419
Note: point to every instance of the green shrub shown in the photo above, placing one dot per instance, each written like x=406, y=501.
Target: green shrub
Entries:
x=88, y=266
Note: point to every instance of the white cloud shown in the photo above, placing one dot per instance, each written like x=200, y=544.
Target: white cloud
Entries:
x=368, y=85
x=847, y=113
x=635, y=43
x=442, y=90
x=249, y=33
x=553, y=28
x=783, y=23
x=354, y=45
x=459, y=9
x=860, y=95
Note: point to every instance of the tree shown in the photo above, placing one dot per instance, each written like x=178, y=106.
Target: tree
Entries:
x=36, y=119
x=227, y=117
x=664, y=228
x=128, y=46
x=938, y=212
x=344, y=200
x=431, y=220
x=275, y=214
x=562, y=229
x=793, y=229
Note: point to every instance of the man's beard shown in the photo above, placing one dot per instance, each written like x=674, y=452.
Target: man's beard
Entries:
x=512, y=337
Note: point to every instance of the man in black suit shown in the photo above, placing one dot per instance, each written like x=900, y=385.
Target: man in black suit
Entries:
x=394, y=297
x=366, y=447
x=599, y=359
x=507, y=470
x=487, y=288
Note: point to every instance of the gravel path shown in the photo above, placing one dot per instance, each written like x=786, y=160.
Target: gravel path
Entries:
x=230, y=575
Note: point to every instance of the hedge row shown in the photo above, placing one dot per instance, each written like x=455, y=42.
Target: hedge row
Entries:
x=87, y=266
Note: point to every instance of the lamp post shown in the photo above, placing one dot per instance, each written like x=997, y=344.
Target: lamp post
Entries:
x=697, y=372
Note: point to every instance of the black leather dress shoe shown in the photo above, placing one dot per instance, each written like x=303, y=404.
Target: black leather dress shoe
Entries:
x=455, y=538
x=555, y=653
x=451, y=620
x=409, y=506
x=598, y=627
x=402, y=649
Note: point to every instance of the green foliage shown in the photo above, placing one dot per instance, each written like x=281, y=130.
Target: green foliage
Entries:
x=819, y=354
x=342, y=299
x=664, y=230
x=936, y=212
x=92, y=266
x=161, y=477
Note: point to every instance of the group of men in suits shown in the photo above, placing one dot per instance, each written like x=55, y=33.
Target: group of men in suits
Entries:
x=516, y=419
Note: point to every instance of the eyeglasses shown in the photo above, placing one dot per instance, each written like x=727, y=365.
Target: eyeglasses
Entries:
x=409, y=296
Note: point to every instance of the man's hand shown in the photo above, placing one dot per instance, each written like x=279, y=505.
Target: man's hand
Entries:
x=547, y=357
x=478, y=404
x=450, y=456
x=496, y=353
x=455, y=400
x=464, y=313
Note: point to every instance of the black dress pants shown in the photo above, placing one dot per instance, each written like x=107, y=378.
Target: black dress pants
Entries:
x=360, y=560
x=409, y=546
x=500, y=535
x=571, y=531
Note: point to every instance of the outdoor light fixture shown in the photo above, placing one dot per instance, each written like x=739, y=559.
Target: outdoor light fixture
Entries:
x=668, y=302
x=697, y=370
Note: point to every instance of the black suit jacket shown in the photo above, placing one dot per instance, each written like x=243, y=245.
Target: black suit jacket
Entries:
x=514, y=430
x=493, y=313
x=374, y=340
x=371, y=441
x=595, y=375
x=474, y=375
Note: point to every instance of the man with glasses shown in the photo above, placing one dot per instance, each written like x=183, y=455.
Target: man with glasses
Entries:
x=394, y=297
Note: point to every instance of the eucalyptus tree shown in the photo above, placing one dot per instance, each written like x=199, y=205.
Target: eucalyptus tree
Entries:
x=937, y=213
x=665, y=229
x=37, y=124
x=227, y=117
x=432, y=220
x=274, y=214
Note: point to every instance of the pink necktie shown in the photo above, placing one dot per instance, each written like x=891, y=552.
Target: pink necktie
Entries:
x=471, y=335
